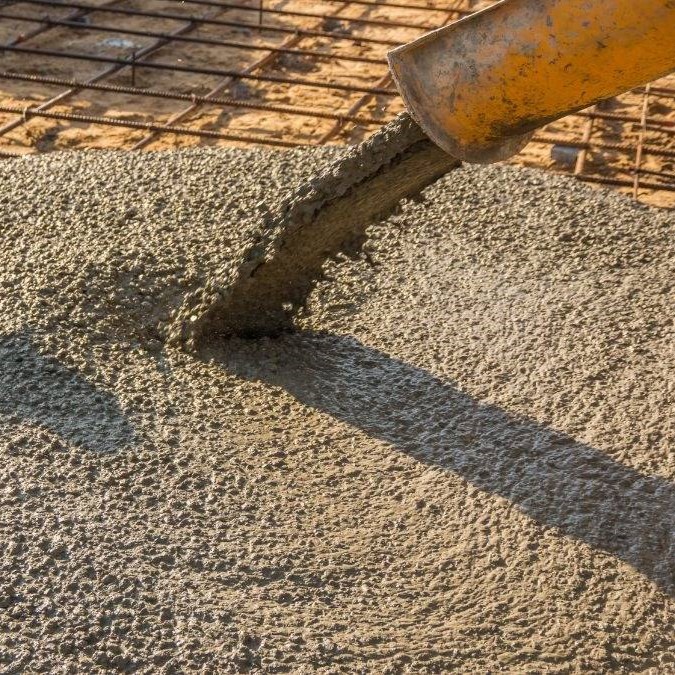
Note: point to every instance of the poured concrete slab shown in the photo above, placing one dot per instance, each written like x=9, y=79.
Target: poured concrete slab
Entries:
x=463, y=461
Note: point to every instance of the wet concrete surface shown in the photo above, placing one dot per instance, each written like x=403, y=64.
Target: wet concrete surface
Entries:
x=259, y=292
x=550, y=476
x=462, y=461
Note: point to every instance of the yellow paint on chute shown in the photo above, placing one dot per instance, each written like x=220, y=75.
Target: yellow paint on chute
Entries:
x=480, y=85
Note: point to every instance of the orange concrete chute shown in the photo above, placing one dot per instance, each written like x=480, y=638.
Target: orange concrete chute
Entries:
x=480, y=86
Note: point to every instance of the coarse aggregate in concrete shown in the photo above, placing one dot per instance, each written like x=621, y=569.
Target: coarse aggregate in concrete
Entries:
x=462, y=462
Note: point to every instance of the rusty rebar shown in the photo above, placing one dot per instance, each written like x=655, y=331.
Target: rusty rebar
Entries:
x=299, y=82
x=261, y=9
x=64, y=95
x=376, y=4
x=219, y=22
x=193, y=98
x=290, y=41
x=27, y=113
x=366, y=3
x=233, y=44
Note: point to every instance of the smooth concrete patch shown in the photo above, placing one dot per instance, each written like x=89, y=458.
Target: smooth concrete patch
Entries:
x=463, y=461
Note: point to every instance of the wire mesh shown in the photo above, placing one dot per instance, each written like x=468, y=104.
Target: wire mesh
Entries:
x=170, y=73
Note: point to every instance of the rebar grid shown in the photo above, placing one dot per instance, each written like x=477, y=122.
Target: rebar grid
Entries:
x=200, y=70
x=213, y=21
x=343, y=44
x=233, y=44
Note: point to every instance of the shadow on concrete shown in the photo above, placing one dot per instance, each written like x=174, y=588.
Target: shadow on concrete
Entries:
x=39, y=389
x=549, y=476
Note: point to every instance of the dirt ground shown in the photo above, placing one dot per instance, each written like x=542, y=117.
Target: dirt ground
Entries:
x=43, y=135
x=461, y=462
